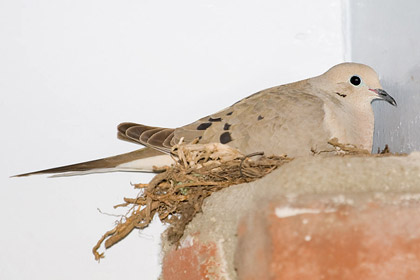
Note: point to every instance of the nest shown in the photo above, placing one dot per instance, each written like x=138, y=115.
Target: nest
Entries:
x=177, y=193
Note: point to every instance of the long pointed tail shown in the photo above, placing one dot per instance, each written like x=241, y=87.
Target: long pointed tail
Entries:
x=140, y=160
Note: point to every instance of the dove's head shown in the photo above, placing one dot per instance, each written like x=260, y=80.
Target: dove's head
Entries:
x=355, y=83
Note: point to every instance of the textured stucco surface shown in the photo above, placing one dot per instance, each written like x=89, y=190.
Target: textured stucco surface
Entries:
x=338, y=176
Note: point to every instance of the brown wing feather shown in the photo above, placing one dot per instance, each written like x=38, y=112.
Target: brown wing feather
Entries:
x=125, y=138
x=159, y=138
x=122, y=127
x=135, y=132
x=144, y=137
x=167, y=142
x=153, y=137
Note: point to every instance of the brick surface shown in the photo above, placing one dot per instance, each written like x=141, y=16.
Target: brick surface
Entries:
x=320, y=238
x=313, y=218
x=193, y=261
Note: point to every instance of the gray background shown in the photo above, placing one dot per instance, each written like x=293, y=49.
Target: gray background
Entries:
x=386, y=36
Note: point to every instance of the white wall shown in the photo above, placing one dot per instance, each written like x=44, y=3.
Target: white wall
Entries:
x=70, y=71
x=385, y=35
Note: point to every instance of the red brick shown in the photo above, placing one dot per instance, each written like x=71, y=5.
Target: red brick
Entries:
x=365, y=241
x=191, y=262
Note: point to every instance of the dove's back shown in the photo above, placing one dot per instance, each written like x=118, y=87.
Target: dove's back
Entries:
x=287, y=119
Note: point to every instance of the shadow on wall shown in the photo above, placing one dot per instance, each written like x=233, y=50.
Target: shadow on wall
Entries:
x=399, y=127
x=389, y=42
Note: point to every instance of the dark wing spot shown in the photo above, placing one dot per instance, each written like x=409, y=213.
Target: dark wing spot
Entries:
x=230, y=113
x=215, y=120
x=203, y=126
x=260, y=117
x=225, y=137
x=227, y=126
x=341, y=94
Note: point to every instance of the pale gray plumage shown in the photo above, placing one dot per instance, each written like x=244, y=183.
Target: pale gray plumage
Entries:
x=294, y=119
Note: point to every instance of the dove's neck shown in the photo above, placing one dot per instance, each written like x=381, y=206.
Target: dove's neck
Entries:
x=350, y=124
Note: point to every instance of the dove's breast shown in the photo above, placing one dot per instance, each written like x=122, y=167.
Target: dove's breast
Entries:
x=351, y=125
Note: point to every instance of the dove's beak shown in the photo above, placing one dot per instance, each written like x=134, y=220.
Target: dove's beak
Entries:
x=384, y=96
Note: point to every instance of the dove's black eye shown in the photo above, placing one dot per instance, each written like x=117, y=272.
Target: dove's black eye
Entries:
x=355, y=80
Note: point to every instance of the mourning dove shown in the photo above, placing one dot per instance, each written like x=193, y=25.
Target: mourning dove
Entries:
x=293, y=119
